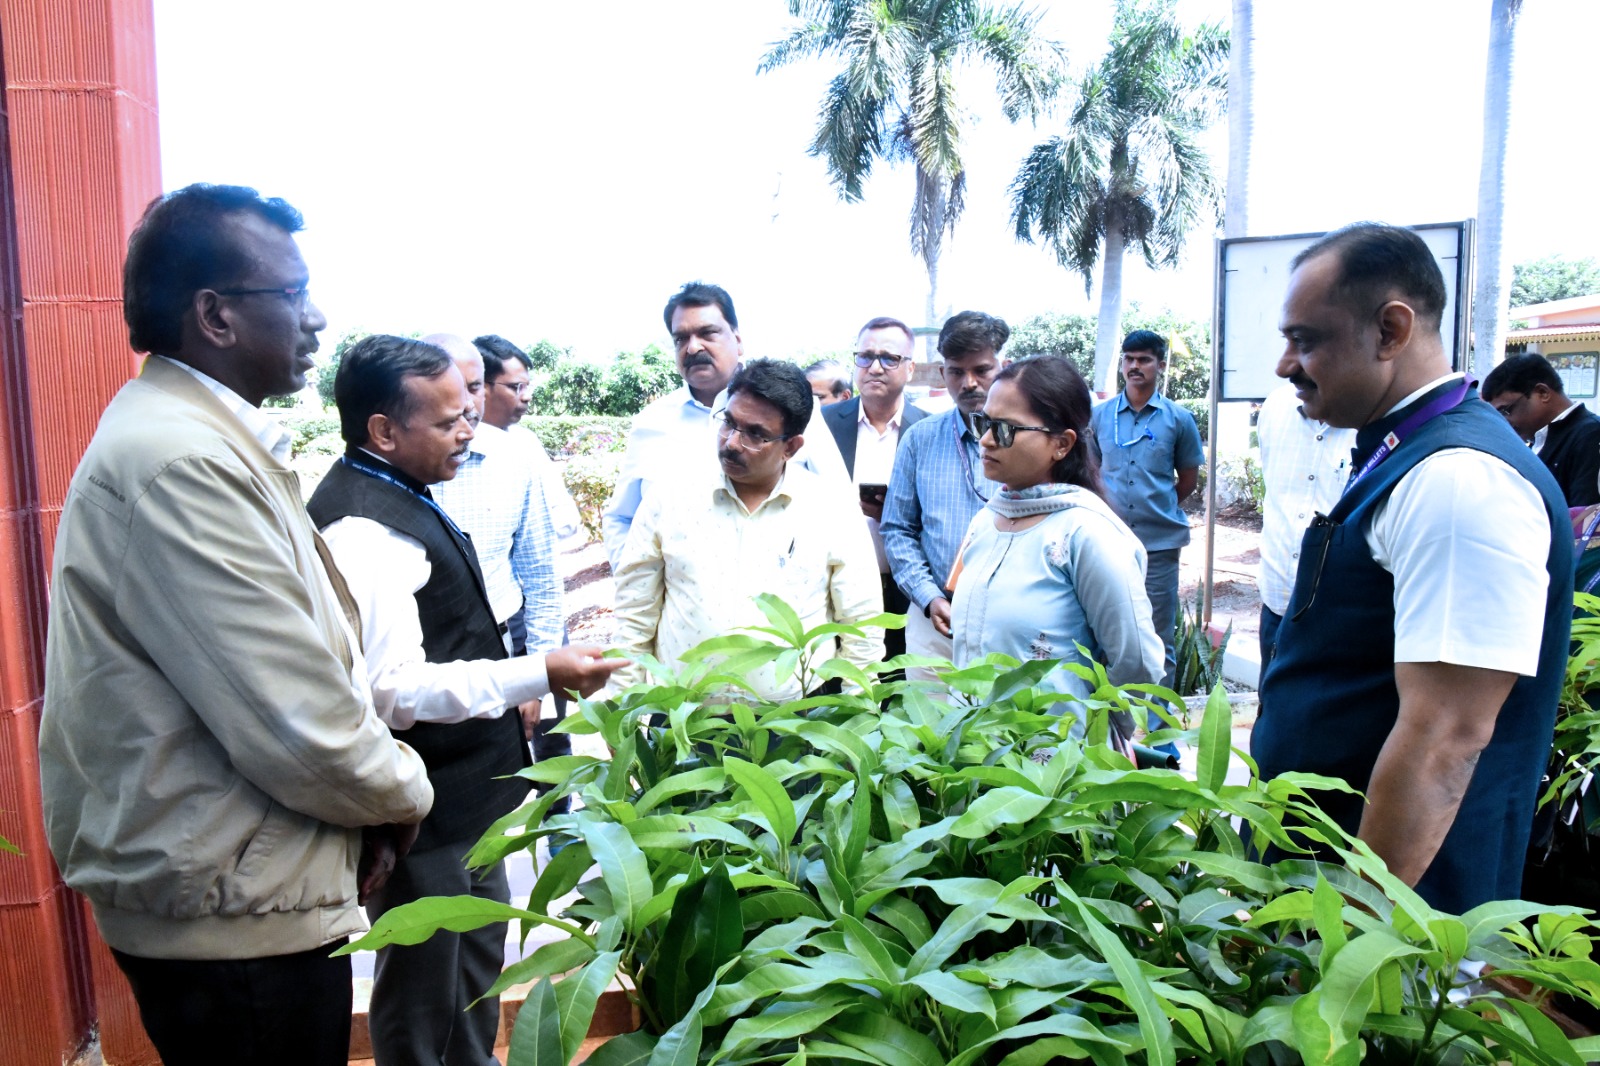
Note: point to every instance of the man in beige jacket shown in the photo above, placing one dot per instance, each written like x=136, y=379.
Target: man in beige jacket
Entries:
x=209, y=750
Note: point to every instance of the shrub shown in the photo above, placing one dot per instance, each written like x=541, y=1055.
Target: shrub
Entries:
x=564, y=435
x=634, y=379
x=592, y=479
x=316, y=434
x=1201, y=410
x=885, y=877
x=1197, y=662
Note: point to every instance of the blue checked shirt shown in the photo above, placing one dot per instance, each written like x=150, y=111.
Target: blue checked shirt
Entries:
x=498, y=500
x=936, y=490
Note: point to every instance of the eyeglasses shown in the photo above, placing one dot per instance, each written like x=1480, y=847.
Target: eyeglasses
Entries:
x=1507, y=404
x=523, y=389
x=1005, y=433
x=753, y=439
x=297, y=297
x=890, y=362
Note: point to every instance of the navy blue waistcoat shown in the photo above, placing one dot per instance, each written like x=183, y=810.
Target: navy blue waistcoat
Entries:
x=1328, y=697
x=468, y=762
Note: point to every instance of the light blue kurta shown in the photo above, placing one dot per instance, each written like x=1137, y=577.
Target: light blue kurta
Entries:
x=1077, y=577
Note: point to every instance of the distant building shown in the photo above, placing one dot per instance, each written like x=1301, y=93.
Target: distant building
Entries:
x=1567, y=333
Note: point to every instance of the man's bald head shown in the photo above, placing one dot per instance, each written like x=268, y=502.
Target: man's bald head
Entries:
x=469, y=361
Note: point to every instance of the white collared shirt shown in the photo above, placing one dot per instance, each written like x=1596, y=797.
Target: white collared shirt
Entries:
x=1304, y=465
x=262, y=426
x=697, y=557
x=875, y=463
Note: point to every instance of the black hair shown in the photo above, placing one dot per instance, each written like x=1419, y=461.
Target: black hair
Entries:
x=372, y=381
x=783, y=385
x=1519, y=374
x=182, y=244
x=1375, y=260
x=700, y=294
x=972, y=331
x=885, y=322
x=838, y=375
x=1060, y=397
x=1146, y=340
x=497, y=352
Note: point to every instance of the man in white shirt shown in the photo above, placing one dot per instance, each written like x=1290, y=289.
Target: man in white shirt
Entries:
x=702, y=549
x=674, y=433
x=1423, y=647
x=440, y=675
x=867, y=430
x=1304, y=464
x=506, y=392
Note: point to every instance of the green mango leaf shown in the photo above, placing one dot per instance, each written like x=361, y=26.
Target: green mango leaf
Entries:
x=777, y=906
x=1002, y=807
x=705, y=931
x=560, y=876
x=577, y=996
x=962, y=924
x=886, y=1039
x=1216, y=741
x=783, y=618
x=556, y=770
x=1449, y=935
x=951, y=991
x=536, y=1037
x=414, y=922
x=769, y=796
x=1072, y=1026
x=1044, y=1052
x=558, y=957
x=657, y=831
x=630, y=1049
x=1153, y=1024
x=1488, y=919
x=1349, y=983
x=622, y=865
x=1327, y=913
x=781, y=1021
x=905, y=918
x=705, y=779
x=864, y=944
x=1544, y=1033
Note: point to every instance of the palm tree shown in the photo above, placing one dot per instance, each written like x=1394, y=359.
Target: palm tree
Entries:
x=1489, y=303
x=1241, y=117
x=896, y=97
x=1129, y=170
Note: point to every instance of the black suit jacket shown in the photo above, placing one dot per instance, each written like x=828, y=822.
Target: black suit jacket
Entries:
x=842, y=419
x=1572, y=453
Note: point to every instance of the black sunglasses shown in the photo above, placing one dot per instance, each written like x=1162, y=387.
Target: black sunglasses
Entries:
x=1005, y=433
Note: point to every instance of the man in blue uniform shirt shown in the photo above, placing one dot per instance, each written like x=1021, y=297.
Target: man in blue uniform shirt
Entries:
x=1424, y=643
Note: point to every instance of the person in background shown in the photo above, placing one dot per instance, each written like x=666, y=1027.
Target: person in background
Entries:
x=1563, y=433
x=830, y=382
x=507, y=392
x=1423, y=648
x=939, y=484
x=867, y=430
x=676, y=431
x=209, y=752
x=440, y=673
x=1304, y=465
x=1047, y=565
x=703, y=548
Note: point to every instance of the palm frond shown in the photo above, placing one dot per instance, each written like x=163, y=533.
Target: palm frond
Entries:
x=849, y=136
x=804, y=43
x=935, y=117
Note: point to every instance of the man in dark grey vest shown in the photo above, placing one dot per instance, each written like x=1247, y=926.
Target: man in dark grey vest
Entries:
x=440, y=676
x=1423, y=647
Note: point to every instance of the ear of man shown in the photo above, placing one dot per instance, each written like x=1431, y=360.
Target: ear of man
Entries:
x=1397, y=323
x=213, y=319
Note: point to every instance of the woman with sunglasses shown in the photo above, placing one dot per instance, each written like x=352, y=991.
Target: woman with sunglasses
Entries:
x=1047, y=565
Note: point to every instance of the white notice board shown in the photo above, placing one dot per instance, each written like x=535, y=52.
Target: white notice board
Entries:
x=1253, y=276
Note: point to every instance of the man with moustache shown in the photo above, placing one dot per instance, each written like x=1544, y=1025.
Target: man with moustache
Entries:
x=1150, y=462
x=1425, y=641
x=506, y=394
x=868, y=429
x=675, y=431
x=938, y=484
x=701, y=551
x=440, y=676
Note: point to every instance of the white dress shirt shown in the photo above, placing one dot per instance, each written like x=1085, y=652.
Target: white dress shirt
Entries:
x=498, y=499
x=696, y=559
x=1465, y=537
x=875, y=463
x=1304, y=465
x=384, y=569
x=677, y=432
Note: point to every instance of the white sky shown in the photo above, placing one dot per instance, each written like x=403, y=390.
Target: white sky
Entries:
x=554, y=169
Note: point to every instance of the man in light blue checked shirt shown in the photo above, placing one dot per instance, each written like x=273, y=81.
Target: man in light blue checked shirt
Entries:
x=499, y=501
x=938, y=485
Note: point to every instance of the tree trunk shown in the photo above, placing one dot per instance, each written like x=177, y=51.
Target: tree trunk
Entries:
x=1493, y=272
x=1109, y=336
x=1241, y=118
x=931, y=341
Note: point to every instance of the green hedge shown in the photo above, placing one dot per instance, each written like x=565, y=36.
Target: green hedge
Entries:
x=564, y=435
x=1201, y=409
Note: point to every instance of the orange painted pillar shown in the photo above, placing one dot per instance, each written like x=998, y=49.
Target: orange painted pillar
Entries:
x=80, y=150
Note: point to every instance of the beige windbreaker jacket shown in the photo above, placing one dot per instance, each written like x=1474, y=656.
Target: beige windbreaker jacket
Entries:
x=206, y=761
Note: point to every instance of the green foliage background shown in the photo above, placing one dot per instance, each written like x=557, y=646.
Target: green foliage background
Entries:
x=1555, y=277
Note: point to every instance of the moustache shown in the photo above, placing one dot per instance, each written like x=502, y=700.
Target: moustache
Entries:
x=691, y=361
x=731, y=458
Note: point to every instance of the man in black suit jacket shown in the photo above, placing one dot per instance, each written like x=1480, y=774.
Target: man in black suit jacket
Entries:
x=1564, y=434
x=867, y=429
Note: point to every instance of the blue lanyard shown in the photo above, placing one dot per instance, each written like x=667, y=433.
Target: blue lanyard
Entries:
x=1446, y=402
x=966, y=459
x=1116, y=429
x=385, y=476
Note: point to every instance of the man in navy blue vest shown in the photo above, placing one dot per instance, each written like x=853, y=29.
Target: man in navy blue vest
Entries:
x=441, y=676
x=1422, y=651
